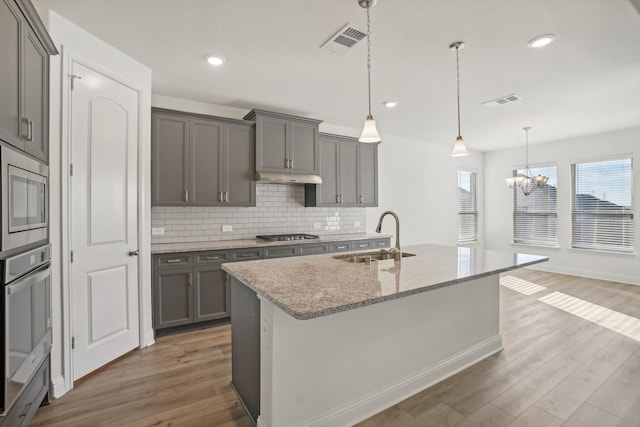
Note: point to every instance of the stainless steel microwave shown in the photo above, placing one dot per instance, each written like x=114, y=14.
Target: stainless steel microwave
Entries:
x=25, y=200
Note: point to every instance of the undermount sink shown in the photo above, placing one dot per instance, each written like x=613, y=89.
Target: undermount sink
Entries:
x=368, y=257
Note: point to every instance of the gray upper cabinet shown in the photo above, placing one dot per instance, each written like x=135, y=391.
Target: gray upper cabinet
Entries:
x=285, y=143
x=349, y=171
x=201, y=161
x=25, y=47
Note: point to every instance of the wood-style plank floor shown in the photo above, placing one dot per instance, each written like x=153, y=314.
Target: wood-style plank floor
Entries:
x=571, y=358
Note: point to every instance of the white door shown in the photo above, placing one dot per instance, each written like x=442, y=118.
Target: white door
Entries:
x=103, y=219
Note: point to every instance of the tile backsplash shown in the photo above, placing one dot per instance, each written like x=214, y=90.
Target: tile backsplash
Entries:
x=279, y=209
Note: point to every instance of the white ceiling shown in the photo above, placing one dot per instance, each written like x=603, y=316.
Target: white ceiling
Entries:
x=587, y=81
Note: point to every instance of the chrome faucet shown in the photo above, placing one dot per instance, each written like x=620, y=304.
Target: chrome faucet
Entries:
x=396, y=250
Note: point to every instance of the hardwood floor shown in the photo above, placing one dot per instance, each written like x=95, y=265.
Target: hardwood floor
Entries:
x=571, y=358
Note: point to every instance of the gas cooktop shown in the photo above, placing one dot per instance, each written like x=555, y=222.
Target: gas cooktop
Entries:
x=286, y=237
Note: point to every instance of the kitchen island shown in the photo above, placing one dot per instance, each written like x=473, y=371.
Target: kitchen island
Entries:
x=322, y=341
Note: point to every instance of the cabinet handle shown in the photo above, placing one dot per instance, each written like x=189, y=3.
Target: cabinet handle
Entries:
x=220, y=199
x=211, y=258
x=30, y=133
x=290, y=163
x=189, y=281
x=186, y=195
x=341, y=247
x=361, y=199
x=286, y=163
x=226, y=196
x=337, y=198
x=244, y=255
x=341, y=199
x=363, y=245
x=173, y=261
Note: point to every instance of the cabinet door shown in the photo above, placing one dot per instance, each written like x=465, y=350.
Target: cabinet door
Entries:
x=303, y=150
x=211, y=294
x=349, y=173
x=328, y=191
x=206, y=159
x=34, y=95
x=271, y=144
x=169, y=160
x=10, y=34
x=172, y=298
x=368, y=174
x=240, y=165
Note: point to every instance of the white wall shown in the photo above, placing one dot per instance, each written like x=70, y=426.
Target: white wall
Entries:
x=418, y=181
x=76, y=44
x=498, y=202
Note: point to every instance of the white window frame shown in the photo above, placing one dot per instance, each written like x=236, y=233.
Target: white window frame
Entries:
x=474, y=212
x=519, y=240
x=594, y=246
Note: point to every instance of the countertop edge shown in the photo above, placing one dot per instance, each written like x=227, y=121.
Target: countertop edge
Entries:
x=320, y=313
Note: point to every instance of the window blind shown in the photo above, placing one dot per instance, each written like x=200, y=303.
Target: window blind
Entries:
x=602, y=205
x=467, y=206
x=535, y=217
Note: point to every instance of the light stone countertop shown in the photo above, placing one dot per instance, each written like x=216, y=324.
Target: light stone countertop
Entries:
x=317, y=285
x=163, y=248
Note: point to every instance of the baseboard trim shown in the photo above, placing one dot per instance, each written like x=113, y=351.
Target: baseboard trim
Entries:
x=58, y=387
x=374, y=403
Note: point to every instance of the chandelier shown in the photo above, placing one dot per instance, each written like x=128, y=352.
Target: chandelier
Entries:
x=527, y=182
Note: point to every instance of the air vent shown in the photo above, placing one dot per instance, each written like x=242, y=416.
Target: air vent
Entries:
x=502, y=100
x=344, y=40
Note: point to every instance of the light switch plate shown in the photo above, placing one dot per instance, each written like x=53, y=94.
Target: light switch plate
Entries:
x=227, y=228
x=157, y=231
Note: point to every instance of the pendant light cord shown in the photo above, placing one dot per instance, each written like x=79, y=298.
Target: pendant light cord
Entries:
x=458, y=85
x=369, y=56
x=526, y=149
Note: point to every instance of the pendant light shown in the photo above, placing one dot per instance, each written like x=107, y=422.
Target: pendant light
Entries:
x=459, y=149
x=369, y=132
x=526, y=182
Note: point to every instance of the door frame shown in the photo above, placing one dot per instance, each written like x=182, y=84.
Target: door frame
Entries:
x=143, y=89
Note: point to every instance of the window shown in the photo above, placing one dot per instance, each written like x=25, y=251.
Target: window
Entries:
x=467, y=206
x=602, y=205
x=535, y=217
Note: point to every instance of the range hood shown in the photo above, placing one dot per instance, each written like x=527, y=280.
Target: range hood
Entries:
x=288, y=178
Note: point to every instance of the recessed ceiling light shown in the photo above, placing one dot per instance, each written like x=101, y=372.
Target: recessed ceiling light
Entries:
x=541, y=41
x=215, y=60
x=390, y=104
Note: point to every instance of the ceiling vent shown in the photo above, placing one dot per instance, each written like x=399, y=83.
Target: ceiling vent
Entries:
x=344, y=40
x=502, y=100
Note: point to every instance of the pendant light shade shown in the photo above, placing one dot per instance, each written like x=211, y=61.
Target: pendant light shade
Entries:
x=369, y=132
x=526, y=182
x=459, y=149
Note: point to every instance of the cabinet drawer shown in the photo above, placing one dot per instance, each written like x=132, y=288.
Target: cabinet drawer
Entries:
x=381, y=243
x=339, y=246
x=280, y=251
x=212, y=257
x=246, y=254
x=173, y=260
x=314, y=249
x=356, y=245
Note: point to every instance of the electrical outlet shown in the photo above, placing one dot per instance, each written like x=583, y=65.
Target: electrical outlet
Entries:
x=227, y=228
x=157, y=231
x=356, y=223
x=317, y=225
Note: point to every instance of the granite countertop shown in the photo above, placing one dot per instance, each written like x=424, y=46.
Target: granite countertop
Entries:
x=317, y=285
x=162, y=248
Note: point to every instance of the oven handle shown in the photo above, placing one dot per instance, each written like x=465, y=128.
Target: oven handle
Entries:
x=28, y=279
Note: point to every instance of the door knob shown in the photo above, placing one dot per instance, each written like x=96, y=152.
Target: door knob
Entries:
x=134, y=253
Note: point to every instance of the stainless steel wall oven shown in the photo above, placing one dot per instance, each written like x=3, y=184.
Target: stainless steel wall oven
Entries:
x=26, y=313
x=25, y=201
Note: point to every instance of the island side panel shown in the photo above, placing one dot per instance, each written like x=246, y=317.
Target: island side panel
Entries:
x=342, y=368
x=245, y=346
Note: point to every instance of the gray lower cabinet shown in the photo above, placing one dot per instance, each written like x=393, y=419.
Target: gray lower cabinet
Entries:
x=284, y=143
x=349, y=171
x=25, y=407
x=199, y=160
x=24, y=87
x=191, y=287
